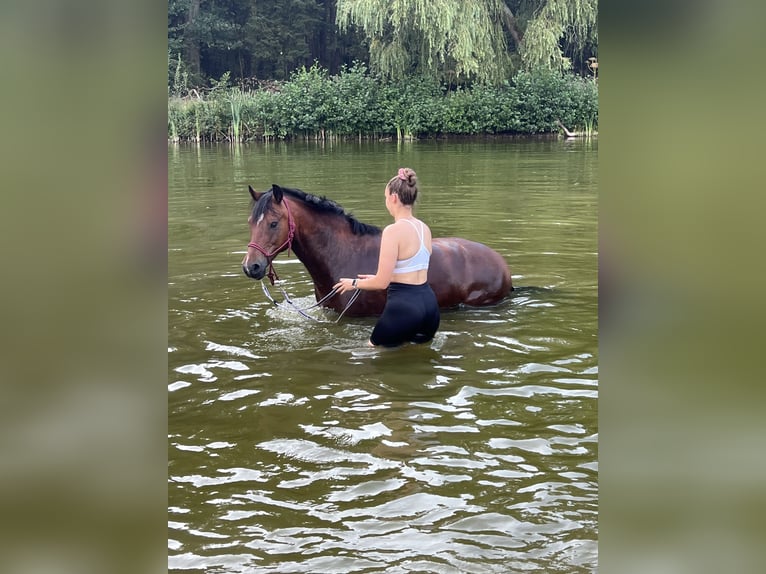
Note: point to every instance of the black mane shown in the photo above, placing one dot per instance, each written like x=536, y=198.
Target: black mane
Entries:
x=319, y=204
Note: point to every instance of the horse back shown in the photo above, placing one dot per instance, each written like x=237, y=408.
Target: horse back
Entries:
x=468, y=273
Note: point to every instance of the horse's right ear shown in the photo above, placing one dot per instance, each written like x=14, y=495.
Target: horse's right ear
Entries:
x=277, y=191
x=256, y=195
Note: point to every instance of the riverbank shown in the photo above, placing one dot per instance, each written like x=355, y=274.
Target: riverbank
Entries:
x=356, y=105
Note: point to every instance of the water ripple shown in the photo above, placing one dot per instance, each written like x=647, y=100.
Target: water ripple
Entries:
x=293, y=447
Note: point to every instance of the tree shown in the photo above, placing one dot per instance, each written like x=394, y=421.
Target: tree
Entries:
x=182, y=35
x=559, y=33
x=191, y=43
x=267, y=39
x=209, y=34
x=452, y=40
x=466, y=40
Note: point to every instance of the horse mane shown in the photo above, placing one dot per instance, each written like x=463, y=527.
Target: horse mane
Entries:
x=324, y=205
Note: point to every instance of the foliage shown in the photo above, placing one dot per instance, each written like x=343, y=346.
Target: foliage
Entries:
x=267, y=39
x=544, y=98
x=456, y=42
x=558, y=31
x=178, y=81
x=445, y=39
x=481, y=110
x=305, y=100
x=356, y=103
x=414, y=106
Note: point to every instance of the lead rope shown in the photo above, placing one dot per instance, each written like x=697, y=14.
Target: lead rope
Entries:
x=350, y=302
x=302, y=311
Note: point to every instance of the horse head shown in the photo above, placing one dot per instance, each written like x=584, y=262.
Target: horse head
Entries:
x=272, y=229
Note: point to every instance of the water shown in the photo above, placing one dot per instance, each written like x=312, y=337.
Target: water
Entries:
x=293, y=447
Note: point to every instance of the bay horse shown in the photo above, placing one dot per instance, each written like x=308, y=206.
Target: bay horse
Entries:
x=332, y=244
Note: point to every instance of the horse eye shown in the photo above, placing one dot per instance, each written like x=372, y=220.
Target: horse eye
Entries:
x=273, y=224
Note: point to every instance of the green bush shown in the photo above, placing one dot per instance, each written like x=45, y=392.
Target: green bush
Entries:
x=305, y=102
x=357, y=104
x=481, y=110
x=544, y=98
x=354, y=106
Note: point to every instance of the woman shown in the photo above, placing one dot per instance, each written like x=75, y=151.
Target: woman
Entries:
x=411, y=312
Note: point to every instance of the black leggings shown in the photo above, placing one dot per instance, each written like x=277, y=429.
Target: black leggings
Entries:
x=411, y=314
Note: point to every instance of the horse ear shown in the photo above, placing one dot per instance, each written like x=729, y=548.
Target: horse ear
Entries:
x=256, y=195
x=277, y=193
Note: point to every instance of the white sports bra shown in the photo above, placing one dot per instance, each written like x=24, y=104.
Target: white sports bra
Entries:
x=419, y=260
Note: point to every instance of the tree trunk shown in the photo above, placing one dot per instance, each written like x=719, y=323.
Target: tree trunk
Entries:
x=192, y=40
x=510, y=25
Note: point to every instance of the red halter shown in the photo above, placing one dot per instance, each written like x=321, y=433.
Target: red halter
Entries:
x=272, y=274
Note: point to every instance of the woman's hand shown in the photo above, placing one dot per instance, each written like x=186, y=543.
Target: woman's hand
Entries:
x=344, y=284
x=347, y=284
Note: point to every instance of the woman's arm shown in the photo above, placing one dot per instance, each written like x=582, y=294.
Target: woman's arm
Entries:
x=389, y=251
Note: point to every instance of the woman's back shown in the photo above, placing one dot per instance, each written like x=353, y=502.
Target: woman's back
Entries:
x=411, y=312
x=414, y=251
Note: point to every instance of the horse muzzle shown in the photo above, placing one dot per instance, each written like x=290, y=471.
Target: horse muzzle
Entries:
x=254, y=270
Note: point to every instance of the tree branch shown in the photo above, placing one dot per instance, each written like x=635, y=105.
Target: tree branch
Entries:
x=510, y=23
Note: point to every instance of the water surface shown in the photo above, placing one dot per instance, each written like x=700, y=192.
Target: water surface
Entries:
x=295, y=448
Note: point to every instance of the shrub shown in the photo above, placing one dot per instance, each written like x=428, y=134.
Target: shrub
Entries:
x=357, y=104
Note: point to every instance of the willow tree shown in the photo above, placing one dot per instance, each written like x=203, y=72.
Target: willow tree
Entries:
x=556, y=31
x=453, y=40
x=461, y=40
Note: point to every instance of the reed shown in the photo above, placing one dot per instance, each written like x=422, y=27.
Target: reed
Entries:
x=198, y=131
x=236, y=102
x=173, y=124
x=590, y=127
x=173, y=131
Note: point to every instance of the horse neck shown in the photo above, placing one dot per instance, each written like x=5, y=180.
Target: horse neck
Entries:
x=323, y=243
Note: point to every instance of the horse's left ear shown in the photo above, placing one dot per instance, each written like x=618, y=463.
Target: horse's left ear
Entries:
x=277, y=193
x=256, y=195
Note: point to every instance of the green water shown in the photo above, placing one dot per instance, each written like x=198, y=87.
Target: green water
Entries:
x=294, y=448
